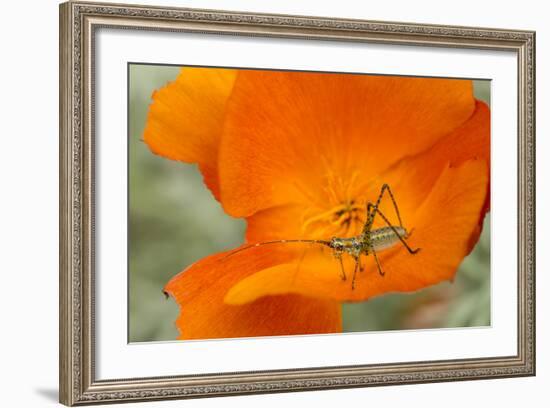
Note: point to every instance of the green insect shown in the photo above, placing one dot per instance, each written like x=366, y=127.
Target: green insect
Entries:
x=369, y=241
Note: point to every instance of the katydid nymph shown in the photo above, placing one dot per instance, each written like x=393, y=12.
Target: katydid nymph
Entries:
x=369, y=241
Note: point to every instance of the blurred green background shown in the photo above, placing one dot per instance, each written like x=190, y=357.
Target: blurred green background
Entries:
x=174, y=221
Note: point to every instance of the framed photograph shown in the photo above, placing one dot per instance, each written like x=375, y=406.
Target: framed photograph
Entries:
x=256, y=203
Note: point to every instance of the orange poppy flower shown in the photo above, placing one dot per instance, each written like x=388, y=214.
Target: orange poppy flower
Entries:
x=299, y=155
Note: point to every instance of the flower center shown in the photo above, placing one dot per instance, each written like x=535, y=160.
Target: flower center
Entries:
x=345, y=215
x=342, y=220
x=337, y=210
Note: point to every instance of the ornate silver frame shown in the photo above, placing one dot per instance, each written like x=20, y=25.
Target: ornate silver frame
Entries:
x=78, y=22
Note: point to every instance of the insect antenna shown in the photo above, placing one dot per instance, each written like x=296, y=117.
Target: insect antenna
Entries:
x=279, y=241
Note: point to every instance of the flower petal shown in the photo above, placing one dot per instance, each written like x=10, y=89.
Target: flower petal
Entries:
x=287, y=133
x=443, y=226
x=186, y=117
x=281, y=222
x=411, y=180
x=471, y=140
x=200, y=289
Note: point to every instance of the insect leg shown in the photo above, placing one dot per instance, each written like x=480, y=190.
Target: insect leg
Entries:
x=370, y=216
x=380, y=271
x=387, y=187
x=338, y=256
x=354, y=272
x=412, y=251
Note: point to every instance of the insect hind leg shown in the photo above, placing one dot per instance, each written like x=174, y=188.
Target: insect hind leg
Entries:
x=370, y=216
x=387, y=188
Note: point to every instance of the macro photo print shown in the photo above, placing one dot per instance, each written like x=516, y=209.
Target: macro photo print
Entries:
x=268, y=203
